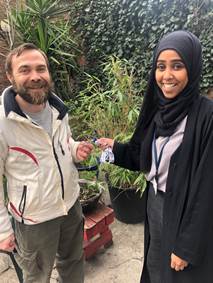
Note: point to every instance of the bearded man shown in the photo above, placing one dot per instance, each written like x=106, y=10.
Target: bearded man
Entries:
x=37, y=157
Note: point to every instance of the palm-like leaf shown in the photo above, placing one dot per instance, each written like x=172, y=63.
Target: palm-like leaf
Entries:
x=46, y=8
x=39, y=23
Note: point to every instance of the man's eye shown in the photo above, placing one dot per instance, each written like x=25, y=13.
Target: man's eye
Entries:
x=23, y=71
x=41, y=70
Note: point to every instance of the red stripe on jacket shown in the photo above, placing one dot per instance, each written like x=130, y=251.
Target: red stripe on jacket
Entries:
x=22, y=150
x=19, y=214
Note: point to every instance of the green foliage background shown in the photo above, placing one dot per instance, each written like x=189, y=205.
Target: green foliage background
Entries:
x=45, y=23
x=131, y=29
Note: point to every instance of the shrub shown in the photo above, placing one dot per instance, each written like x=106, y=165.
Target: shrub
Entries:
x=44, y=23
x=131, y=29
x=110, y=108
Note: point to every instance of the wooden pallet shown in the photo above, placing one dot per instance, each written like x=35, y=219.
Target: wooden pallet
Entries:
x=97, y=233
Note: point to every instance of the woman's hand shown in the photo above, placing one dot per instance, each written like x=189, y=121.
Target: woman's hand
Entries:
x=177, y=263
x=103, y=143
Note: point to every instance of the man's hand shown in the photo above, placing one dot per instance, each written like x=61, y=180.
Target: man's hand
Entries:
x=83, y=150
x=8, y=244
x=177, y=263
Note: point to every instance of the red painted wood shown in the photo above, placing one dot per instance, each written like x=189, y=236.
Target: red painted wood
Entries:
x=91, y=247
x=96, y=230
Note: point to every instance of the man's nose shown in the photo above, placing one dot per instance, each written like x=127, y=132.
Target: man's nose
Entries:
x=34, y=76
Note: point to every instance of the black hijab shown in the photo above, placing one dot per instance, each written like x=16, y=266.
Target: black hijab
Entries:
x=159, y=113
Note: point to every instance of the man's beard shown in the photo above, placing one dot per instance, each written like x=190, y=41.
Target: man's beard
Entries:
x=34, y=93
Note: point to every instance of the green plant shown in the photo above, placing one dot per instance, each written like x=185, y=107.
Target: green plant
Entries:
x=123, y=178
x=90, y=194
x=45, y=23
x=131, y=29
x=110, y=108
x=89, y=169
x=90, y=185
x=89, y=189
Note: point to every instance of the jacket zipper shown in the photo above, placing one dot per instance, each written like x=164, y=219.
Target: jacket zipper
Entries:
x=59, y=169
x=62, y=150
x=22, y=203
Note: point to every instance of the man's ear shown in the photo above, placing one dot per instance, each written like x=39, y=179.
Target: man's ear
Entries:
x=9, y=77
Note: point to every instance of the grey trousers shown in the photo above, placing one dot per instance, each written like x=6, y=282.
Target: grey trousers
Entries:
x=155, y=205
x=59, y=240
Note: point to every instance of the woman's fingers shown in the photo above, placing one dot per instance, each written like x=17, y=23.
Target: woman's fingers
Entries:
x=103, y=143
x=177, y=263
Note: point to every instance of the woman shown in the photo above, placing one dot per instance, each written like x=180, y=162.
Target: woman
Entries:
x=173, y=145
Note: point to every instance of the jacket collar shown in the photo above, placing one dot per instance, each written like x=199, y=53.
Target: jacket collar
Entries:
x=10, y=104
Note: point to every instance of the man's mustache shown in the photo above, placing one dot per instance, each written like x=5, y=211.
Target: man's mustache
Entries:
x=35, y=85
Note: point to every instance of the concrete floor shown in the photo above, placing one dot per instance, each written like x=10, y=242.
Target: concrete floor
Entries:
x=120, y=263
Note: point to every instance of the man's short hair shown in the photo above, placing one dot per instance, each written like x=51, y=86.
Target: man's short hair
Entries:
x=18, y=51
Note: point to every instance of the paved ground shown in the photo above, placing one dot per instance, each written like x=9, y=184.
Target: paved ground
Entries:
x=120, y=263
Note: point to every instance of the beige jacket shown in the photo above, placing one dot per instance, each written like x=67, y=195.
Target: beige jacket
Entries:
x=42, y=180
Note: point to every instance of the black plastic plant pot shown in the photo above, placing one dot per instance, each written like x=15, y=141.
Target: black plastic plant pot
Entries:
x=90, y=201
x=128, y=205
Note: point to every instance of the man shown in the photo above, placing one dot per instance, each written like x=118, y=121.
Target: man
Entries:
x=37, y=155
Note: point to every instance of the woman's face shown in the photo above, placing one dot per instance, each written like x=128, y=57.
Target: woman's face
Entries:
x=170, y=74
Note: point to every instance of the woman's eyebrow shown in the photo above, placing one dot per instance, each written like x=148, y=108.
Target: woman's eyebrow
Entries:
x=172, y=60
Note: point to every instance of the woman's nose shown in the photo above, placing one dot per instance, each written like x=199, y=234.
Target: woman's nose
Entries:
x=167, y=74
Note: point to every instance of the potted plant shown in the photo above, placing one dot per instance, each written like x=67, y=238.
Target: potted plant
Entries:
x=90, y=194
x=110, y=108
x=126, y=191
x=91, y=188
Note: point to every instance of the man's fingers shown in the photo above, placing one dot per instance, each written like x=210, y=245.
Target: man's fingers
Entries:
x=85, y=147
x=8, y=244
x=83, y=150
x=103, y=143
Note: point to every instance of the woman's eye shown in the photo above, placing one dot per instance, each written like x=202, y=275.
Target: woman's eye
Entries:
x=161, y=67
x=178, y=66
